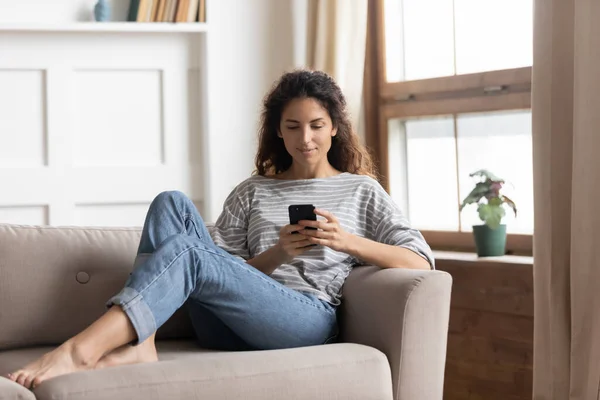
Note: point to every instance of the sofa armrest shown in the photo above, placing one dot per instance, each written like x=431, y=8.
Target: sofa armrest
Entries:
x=403, y=313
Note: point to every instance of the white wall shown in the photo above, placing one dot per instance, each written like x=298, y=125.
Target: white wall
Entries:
x=250, y=44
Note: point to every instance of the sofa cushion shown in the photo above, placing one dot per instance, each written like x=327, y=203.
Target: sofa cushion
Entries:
x=13, y=391
x=336, y=371
x=55, y=281
x=11, y=360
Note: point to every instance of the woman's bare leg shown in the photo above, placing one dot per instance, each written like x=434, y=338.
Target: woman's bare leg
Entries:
x=82, y=351
x=128, y=354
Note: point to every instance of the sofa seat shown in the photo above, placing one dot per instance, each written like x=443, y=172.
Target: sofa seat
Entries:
x=335, y=371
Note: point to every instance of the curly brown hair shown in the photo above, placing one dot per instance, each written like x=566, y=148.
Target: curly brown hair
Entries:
x=346, y=153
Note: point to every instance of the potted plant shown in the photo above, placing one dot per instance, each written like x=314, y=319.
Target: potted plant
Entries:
x=490, y=237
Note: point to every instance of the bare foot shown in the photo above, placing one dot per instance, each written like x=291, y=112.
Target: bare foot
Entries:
x=65, y=359
x=142, y=353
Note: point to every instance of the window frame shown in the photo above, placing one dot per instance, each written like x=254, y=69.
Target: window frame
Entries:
x=501, y=90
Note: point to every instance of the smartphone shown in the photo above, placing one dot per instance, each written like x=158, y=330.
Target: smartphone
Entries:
x=299, y=212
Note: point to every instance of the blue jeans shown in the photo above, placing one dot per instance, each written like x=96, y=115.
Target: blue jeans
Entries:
x=232, y=305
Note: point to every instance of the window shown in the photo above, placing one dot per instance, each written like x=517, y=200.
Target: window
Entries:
x=434, y=38
x=448, y=85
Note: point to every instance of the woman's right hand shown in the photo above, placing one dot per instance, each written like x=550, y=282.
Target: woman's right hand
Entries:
x=291, y=245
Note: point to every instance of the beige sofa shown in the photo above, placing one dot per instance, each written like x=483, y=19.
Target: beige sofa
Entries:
x=55, y=281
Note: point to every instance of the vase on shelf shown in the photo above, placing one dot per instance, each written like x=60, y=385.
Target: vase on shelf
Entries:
x=102, y=11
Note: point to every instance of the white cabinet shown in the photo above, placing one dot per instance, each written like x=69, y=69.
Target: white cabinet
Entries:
x=97, y=118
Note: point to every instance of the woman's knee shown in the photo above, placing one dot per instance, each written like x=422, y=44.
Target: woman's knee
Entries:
x=170, y=195
x=169, y=198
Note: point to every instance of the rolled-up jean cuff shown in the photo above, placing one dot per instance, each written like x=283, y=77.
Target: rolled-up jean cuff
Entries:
x=137, y=311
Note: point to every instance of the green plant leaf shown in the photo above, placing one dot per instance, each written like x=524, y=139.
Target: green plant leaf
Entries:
x=491, y=214
x=480, y=189
x=486, y=194
x=495, y=201
x=487, y=175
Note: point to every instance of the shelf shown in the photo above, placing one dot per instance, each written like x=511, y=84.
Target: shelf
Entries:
x=119, y=27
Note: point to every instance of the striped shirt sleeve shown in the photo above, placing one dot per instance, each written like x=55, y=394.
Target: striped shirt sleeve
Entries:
x=389, y=226
x=230, y=231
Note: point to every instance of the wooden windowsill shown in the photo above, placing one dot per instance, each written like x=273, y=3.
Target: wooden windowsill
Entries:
x=463, y=242
x=452, y=257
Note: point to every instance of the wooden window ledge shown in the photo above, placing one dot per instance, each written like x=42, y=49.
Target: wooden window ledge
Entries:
x=449, y=258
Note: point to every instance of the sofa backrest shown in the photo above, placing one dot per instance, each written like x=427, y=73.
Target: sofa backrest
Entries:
x=55, y=281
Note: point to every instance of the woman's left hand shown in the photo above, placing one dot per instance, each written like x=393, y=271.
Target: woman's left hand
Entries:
x=329, y=233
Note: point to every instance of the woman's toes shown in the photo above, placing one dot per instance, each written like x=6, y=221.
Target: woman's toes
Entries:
x=36, y=382
x=21, y=379
x=28, y=381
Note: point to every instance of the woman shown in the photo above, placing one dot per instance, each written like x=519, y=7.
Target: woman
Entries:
x=253, y=281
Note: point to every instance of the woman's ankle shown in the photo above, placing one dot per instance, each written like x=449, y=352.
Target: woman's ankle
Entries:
x=83, y=353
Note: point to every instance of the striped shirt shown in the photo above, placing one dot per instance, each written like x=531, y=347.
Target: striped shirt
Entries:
x=257, y=209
